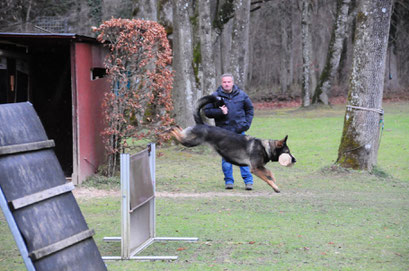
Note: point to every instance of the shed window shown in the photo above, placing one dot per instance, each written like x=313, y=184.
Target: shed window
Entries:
x=97, y=73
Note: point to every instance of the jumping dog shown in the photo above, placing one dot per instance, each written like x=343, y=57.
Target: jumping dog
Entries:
x=237, y=149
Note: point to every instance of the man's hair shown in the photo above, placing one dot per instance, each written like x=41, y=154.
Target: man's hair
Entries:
x=227, y=75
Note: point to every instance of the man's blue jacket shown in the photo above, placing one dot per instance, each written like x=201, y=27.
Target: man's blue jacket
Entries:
x=240, y=110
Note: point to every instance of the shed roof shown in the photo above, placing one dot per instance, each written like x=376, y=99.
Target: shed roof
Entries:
x=39, y=36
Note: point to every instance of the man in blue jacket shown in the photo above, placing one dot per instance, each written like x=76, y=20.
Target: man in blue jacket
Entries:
x=235, y=115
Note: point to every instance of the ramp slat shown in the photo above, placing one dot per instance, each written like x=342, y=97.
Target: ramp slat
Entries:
x=33, y=146
x=42, y=252
x=39, y=196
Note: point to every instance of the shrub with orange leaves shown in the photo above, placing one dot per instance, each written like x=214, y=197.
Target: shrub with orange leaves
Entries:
x=139, y=105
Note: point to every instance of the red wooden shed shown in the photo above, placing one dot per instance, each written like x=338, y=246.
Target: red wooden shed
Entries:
x=62, y=75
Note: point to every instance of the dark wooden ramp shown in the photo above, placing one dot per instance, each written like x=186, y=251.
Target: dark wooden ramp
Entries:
x=39, y=199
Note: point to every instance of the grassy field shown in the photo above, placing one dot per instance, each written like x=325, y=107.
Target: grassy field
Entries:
x=325, y=218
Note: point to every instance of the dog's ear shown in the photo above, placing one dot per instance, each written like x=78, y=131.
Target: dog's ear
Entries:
x=281, y=143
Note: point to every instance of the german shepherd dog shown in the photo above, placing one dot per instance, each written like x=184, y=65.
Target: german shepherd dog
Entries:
x=237, y=149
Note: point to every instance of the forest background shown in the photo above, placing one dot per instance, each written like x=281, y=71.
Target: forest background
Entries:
x=260, y=42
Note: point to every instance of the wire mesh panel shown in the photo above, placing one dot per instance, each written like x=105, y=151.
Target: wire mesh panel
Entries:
x=52, y=24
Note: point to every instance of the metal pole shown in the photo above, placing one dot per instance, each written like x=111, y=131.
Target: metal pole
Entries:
x=152, y=202
x=16, y=232
x=125, y=198
x=152, y=160
x=183, y=239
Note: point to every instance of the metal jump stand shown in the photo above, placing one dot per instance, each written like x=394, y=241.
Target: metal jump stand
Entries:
x=138, y=208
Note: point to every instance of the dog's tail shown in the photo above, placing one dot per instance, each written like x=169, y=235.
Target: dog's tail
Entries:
x=201, y=103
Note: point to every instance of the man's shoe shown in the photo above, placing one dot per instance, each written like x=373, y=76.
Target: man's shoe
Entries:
x=229, y=186
x=249, y=186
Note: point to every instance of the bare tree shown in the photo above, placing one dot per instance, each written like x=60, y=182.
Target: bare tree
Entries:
x=306, y=54
x=240, y=42
x=270, y=48
x=360, y=138
x=206, y=48
x=22, y=16
x=28, y=14
x=398, y=64
x=334, y=53
x=222, y=24
x=145, y=10
x=286, y=38
x=184, y=87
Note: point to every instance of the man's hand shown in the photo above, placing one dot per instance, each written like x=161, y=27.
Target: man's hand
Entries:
x=224, y=109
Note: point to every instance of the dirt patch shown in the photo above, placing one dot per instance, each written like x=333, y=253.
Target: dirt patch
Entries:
x=90, y=193
x=212, y=194
x=85, y=193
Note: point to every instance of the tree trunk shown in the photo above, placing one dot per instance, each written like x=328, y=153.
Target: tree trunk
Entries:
x=321, y=93
x=225, y=47
x=306, y=54
x=286, y=41
x=240, y=42
x=145, y=10
x=400, y=37
x=184, y=90
x=363, y=116
x=28, y=15
x=206, y=48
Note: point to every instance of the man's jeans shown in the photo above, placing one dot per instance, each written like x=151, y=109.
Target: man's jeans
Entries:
x=228, y=173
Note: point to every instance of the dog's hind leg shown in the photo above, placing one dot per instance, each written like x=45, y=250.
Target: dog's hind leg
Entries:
x=186, y=137
x=267, y=176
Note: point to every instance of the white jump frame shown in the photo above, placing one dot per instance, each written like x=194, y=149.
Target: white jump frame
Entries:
x=127, y=252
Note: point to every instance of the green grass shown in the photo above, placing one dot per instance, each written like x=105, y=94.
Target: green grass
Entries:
x=325, y=218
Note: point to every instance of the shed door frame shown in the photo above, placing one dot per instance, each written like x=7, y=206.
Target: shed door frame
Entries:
x=75, y=139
